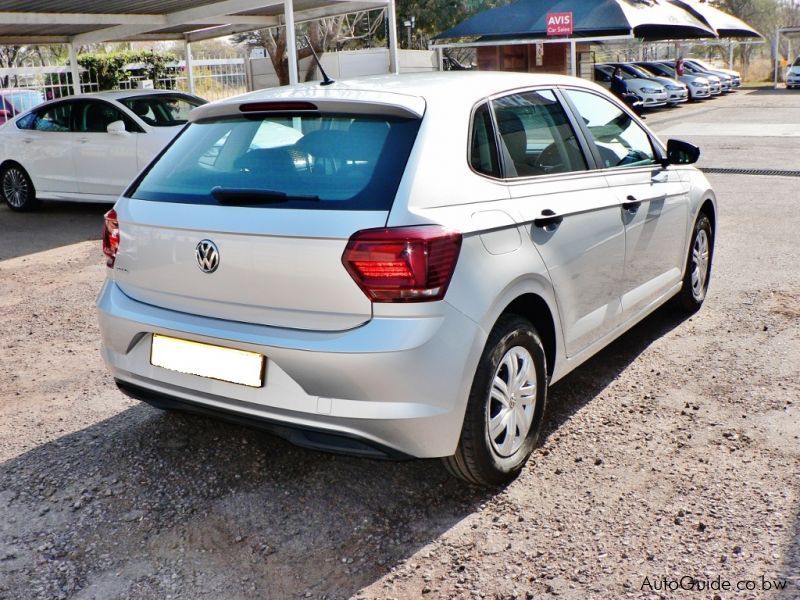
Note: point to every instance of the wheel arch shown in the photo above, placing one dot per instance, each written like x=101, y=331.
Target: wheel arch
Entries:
x=535, y=309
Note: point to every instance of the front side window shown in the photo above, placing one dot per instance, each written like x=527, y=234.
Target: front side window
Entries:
x=620, y=141
x=536, y=135
x=162, y=110
x=304, y=160
x=54, y=118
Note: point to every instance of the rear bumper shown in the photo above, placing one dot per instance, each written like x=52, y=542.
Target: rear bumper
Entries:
x=398, y=384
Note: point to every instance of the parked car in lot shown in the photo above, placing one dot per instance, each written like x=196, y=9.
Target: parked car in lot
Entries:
x=736, y=78
x=793, y=74
x=698, y=86
x=725, y=81
x=715, y=86
x=652, y=93
x=401, y=265
x=677, y=92
x=86, y=148
x=14, y=101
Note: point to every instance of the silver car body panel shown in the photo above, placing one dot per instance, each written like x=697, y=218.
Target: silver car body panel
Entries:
x=397, y=375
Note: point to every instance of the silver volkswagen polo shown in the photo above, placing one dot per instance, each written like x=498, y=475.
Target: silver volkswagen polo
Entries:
x=400, y=265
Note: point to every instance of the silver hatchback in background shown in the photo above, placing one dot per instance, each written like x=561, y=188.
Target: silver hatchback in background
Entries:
x=398, y=265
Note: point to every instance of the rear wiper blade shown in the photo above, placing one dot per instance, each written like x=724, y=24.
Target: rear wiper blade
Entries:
x=255, y=196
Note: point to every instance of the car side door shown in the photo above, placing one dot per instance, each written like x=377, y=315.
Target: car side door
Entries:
x=45, y=149
x=106, y=161
x=568, y=211
x=654, y=200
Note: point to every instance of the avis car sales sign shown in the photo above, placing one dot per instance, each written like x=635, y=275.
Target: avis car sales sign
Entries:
x=559, y=23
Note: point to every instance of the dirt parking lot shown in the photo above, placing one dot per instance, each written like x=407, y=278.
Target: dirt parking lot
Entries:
x=671, y=457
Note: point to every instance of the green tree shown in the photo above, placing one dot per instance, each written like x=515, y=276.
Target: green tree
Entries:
x=435, y=16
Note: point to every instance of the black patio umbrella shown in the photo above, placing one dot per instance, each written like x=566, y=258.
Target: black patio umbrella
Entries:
x=645, y=19
x=726, y=26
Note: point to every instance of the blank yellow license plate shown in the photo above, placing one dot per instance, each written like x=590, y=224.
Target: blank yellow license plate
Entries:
x=207, y=360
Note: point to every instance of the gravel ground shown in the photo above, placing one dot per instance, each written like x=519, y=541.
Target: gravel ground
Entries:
x=675, y=452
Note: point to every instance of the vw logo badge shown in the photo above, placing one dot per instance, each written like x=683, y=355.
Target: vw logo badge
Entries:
x=207, y=255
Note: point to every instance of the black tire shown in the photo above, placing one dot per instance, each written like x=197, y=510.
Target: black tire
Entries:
x=17, y=189
x=693, y=293
x=478, y=459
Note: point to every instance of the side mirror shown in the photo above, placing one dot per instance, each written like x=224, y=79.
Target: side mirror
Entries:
x=116, y=128
x=682, y=153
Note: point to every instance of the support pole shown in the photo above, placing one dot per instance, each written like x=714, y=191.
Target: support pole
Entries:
x=730, y=54
x=394, y=62
x=573, y=59
x=291, y=40
x=73, y=70
x=775, y=49
x=189, y=66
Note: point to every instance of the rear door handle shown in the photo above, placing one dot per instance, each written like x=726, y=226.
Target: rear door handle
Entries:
x=632, y=205
x=548, y=218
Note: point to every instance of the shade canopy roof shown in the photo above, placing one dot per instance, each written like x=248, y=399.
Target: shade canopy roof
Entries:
x=650, y=20
x=80, y=22
x=726, y=25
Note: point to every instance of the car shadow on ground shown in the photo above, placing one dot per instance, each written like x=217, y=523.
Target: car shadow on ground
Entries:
x=52, y=225
x=163, y=498
x=587, y=381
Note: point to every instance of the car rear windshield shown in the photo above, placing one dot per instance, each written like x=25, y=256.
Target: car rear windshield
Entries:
x=307, y=161
x=162, y=110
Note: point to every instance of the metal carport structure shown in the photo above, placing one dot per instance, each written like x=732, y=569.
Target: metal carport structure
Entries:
x=80, y=22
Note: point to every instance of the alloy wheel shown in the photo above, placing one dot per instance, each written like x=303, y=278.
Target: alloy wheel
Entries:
x=15, y=187
x=700, y=252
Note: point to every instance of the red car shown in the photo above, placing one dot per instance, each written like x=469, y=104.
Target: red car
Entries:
x=16, y=101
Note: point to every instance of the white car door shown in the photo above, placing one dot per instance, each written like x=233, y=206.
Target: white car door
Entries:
x=43, y=143
x=654, y=200
x=105, y=162
x=571, y=216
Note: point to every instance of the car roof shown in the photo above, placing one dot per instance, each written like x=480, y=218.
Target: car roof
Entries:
x=119, y=94
x=411, y=92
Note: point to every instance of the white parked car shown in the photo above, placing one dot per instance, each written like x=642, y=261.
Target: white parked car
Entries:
x=736, y=77
x=699, y=87
x=793, y=75
x=398, y=265
x=87, y=148
x=677, y=92
x=651, y=92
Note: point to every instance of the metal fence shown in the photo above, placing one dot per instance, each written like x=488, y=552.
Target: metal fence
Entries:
x=51, y=81
x=214, y=79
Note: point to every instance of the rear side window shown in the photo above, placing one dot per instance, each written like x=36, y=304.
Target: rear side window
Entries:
x=307, y=161
x=483, y=148
x=54, y=118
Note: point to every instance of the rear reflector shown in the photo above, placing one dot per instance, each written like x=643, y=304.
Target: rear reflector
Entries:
x=276, y=106
x=110, y=237
x=403, y=264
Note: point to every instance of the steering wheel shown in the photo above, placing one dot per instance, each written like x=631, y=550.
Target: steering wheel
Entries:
x=550, y=160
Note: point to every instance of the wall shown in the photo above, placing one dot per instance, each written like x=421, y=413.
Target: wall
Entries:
x=522, y=58
x=345, y=65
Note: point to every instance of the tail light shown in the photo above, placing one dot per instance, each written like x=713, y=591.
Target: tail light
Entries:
x=403, y=264
x=111, y=237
